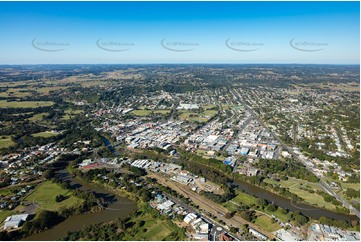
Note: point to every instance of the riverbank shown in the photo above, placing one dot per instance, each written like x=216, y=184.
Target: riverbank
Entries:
x=260, y=192
x=307, y=210
x=116, y=207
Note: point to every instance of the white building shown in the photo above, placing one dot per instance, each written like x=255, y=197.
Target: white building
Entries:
x=258, y=234
x=15, y=221
x=189, y=218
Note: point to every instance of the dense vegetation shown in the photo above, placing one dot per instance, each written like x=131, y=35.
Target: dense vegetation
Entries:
x=286, y=168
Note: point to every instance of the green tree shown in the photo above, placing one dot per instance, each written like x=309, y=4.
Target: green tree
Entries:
x=271, y=208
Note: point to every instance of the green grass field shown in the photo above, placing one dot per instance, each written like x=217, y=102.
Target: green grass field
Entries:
x=17, y=83
x=220, y=157
x=266, y=223
x=355, y=186
x=38, y=117
x=209, y=106
x=249, y=201
x=153, y=228
x=144, y=113
x=45, y=134
x=201, y=152
x=244, y=199
x=345, y=186
x=26, y=92
x=44, y=197
x=66, y=117
x=209, y=113
x=72, y=111
x=197, y=117
x=15, y=92
x=68, y=113
x=240, y=199
x=5, y=141
x=47, y=90
x=4, y=215
x=27, y=104
x=226, y=106
x=141, y=112
x=283, y=217
x=294, y=186
x=158, y=231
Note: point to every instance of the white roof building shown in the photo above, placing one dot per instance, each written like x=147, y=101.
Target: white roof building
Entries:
x=189, y=218
x=187, y=106
x=166, y=205
x=196, y=221
x=211, y=138
x=15, y=221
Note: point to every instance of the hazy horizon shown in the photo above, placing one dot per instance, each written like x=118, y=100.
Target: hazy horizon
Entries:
x=180, y=33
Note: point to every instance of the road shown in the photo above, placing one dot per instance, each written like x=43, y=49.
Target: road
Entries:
x=207, y=205
x=205, y=217
x=325, y=186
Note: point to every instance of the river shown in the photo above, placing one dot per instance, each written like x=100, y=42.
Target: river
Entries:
x=110, y=147
x=118, y=207
x=121, y=207
x=308, y=210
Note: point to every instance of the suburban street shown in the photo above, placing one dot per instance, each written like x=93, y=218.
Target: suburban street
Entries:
x=325, y=186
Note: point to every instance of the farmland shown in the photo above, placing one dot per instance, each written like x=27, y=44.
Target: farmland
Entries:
x=26, y=104
x=5, y=141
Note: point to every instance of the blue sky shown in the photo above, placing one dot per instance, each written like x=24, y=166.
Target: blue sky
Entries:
x=179, y=32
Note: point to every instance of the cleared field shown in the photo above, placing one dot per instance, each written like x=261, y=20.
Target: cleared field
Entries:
x=197, y=117
x=209, y=113
x=44, y=197
x=38, y=117
x=5, y=141
x=45, y=134
x=70, y=113
x=244, y=199
x=15, y=92
x=152, y=228
x=266, y=223
x=18, y=83
x=209, y=106
x=158, y=232
x=226, y=106
x=220, y=157
x=349, y=87
x=355, y=186
x=143, y=113
x=278, y=213
x=47, y=90
x=66, y=117
x=27, y=104
x=201, y=152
